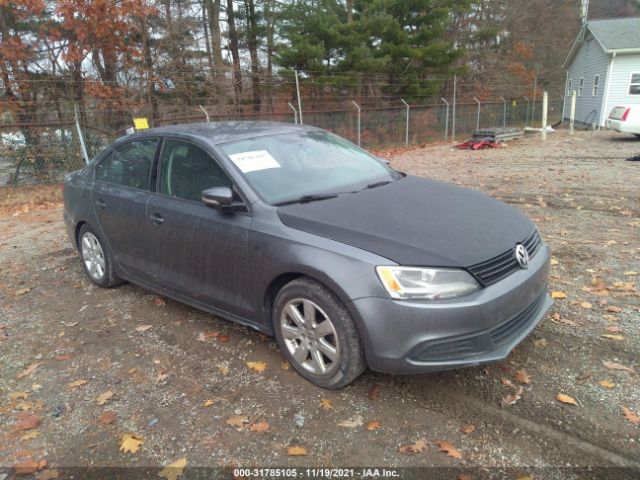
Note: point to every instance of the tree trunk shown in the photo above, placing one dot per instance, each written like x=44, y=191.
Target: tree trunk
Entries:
x=252, y=26
x=148, y=65
x=213, y=12
x=349, y=11
x=235, y=54
x=207, y=38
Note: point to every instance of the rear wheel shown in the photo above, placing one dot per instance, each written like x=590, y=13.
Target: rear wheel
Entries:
x=317, y=335
x=96, y=260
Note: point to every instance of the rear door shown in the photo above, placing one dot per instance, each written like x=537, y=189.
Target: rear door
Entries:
x=119, y=196
x=193, y=249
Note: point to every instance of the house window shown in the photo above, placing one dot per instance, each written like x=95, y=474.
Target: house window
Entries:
x=569, y=88
x=596, y=85
x=634, y=86
x=581, y=89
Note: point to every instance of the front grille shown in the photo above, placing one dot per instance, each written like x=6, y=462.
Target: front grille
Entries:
x=476, y=345
x=497, y=268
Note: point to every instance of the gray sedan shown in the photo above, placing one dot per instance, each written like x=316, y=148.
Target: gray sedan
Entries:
x=298, y=233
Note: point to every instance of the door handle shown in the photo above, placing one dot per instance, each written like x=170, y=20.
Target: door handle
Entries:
x=100, y=204
x=156, y=219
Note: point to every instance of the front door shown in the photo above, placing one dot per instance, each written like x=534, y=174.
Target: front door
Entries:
x=195, y=250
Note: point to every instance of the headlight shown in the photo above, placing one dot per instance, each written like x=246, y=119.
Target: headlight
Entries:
x=426, y=283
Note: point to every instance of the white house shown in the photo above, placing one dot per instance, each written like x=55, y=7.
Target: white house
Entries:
x=603, y=67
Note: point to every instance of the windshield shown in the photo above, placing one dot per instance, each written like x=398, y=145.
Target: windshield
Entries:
x=289, y=166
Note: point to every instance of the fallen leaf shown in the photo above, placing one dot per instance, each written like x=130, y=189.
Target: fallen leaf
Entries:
x=373, y=425
x=259, y=427
x=586, y=305
x=610, y=336
x=374, y=392
x=29, y=467
x=512, y=399
x=29, y=370
x=237, y=421
x=63, y=357
x=284, y=365
x=47, y=474
x=131, y=442
x=630, y=273
x=617, y=366
x=21, y=291
x=296, y=451
x=468, y=428
x=629, y=415
x=13, y=396
x=30, y=435
x=143, y=328
x=104, y=397
x=159, y=302
x=614, y=309
x=522, y=377
x=418, y=446
x=26, y=421
x=356, y=421
x=208, y=403
x=77, y=383
x=446, y=447
x=173, y=470
x=223, y=338
x=223, y=368
x=106, y=417
x=557, y=294
x=561, y=397
x=613, y=329
x=506, y=382
x=464, y=476
x=606, y=383
x=257, y=366
x=540, y=342
x=554, y=261
x=326, y=404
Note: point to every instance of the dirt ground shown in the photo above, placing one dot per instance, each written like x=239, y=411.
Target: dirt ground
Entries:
x=177, y=378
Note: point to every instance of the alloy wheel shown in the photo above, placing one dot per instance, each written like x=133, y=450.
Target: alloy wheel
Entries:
x=310, y=336
x=93, y=256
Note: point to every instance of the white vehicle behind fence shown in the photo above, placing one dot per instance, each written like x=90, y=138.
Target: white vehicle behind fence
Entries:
x=625, y=119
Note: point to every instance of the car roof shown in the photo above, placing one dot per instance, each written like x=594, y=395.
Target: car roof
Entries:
x=220, y=132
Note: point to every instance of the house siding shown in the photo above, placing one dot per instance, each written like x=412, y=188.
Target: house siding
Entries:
x=589, y=61
x=623, y=66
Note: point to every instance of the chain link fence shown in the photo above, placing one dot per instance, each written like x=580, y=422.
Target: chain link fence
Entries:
x=46, y=152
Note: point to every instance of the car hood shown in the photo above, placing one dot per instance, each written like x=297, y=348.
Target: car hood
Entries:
x=415, y=221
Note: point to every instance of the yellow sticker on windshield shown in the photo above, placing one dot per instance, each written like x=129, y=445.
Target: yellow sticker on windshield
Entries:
x=141, y=123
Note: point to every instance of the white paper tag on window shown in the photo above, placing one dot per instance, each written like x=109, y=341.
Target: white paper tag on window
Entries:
x=254, y=161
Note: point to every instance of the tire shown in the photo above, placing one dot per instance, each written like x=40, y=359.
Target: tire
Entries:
x=309, y=343
x=637, y=135
x=96, y=259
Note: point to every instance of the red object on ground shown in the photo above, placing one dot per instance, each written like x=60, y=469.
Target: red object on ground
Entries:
x=477, y=145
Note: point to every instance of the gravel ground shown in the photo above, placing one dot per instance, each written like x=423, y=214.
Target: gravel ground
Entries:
x=81, y=366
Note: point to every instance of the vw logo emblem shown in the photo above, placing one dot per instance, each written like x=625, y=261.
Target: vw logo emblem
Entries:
x=522, y=256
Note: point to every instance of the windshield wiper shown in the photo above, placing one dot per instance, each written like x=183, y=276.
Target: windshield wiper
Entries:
x=307, y=198
x=379, y=184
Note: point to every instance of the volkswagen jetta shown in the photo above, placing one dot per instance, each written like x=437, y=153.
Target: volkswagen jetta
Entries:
x=298, y=233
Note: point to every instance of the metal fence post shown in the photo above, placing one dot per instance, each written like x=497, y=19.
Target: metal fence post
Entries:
x=545, y=106
x=359, y=113
x=406, y=133
x=295, y=113
x=299, y=100
x=526, y=118
x=504, y=113
x=478, y=120
x=446, y=121
x=206, y=114
x=83, y=147
x=453, y=112
x=572, y=113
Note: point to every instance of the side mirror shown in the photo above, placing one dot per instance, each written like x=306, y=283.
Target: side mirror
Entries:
x=217, y=197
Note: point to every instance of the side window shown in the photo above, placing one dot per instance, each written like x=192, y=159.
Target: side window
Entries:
x=187, y=170
x=129, y=164
x=634, y=86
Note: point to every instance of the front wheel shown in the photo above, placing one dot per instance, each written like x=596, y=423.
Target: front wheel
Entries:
x=96, y=260
x=317, y=335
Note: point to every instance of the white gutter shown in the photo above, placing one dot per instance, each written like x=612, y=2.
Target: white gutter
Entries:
x=605, y=93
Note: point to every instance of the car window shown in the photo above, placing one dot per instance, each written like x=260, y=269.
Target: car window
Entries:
x=129, y=164
x=187, y=170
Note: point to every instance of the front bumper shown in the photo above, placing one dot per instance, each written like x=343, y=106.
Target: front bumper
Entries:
x=484, y=327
